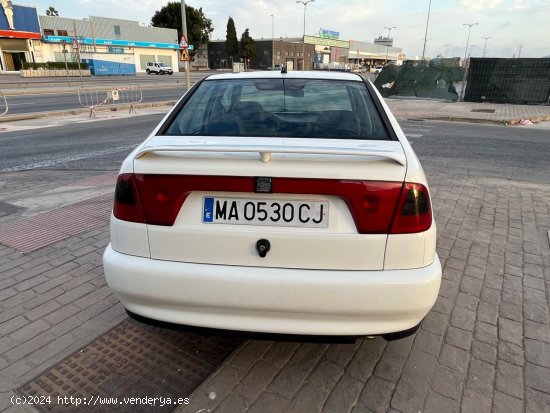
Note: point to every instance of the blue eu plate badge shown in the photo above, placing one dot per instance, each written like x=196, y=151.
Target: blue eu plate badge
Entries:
x=208, y=211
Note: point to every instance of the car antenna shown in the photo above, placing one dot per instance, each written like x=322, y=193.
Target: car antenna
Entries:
x=283, y=69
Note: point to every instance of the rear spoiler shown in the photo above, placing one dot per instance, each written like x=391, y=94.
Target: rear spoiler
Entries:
x=266, y=151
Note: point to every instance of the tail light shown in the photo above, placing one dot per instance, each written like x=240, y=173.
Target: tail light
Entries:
x=414, y=211
x=157, y=199
x=127, y=206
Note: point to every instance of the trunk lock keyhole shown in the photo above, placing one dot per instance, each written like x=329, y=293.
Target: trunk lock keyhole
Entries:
x=263, y=246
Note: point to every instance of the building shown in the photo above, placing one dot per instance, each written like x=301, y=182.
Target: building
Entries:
x=19, y=33
x=286, y=51
x=371, y=55
x=106, y=39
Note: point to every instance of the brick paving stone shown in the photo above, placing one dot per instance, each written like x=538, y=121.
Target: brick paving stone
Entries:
x=376, y=395
x=503, y=403
x=535, y=312
x=459, y=338
x=454, y=358
x=509, y=379
x=467, y=301
x=420, y=364
x=537, y=352
x=511, y=353
x=410, y=394
x=428, y=342
x=389, y=367
x=510, y=330
x=537, y=331
x=436, y=403
x=344, y=395
x=435, y=323
x=447, y=382
x=537, y=402
x=537, y=377
x=268, y=403
x=511, y=311
x=473, y=402
x=486, y=333
x=512, y=296
x=364, y=361
x=481, y=376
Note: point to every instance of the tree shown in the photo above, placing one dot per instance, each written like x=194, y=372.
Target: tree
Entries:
x=231, y=42
x=52, y=12
x=199, y=26
x=248, y=47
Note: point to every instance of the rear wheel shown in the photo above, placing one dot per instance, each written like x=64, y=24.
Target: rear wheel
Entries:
x=148, y=71
x=161, y=72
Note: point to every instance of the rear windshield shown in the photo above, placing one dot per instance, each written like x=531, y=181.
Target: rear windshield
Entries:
x=293, y=108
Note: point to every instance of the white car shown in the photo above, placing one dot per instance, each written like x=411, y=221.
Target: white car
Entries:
x=276, y=202
x=158, y=68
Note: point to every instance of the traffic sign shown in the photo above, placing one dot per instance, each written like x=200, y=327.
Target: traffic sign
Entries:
x=184, y=57
x=183, y=43
x=75, y=43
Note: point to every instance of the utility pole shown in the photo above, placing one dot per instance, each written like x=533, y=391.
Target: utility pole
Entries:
x=77, y=52
x=520, y=46
x=305, y=3
x=485, y=47
x=272, y=42
x=65, y=51
x=184, y=33
x=389, y=33
x=446, y=47
x=426, y=34
x=465, y=56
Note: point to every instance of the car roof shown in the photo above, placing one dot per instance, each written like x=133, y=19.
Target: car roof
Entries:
x=313, y=74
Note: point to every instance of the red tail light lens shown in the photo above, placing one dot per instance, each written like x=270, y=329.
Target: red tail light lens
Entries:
x=127, y=206
x=414, y=211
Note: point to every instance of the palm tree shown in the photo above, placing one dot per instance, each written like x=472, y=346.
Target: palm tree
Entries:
x=52, y=12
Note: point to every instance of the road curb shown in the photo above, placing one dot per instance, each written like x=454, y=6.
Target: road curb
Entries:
x=79, y=111
x=499, y=122
x=67, y=90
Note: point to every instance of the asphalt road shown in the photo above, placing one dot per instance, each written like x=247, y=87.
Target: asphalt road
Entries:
x=49, y=102
x=454, y=148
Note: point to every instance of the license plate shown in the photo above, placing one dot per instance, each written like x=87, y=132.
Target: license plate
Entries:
x=274, y=212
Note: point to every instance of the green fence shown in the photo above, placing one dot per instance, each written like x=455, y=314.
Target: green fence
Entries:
x=434, y=79
x=518, y=81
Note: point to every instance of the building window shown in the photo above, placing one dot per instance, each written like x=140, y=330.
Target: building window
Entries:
x=278, y=53
x=60, y=32
x=266, y=52
x=117, y=30
x=286, y=53
x=48, y=32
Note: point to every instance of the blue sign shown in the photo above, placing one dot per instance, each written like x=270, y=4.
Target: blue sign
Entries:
x=19, y=18
x=329, y=34
x=111, y=42
x=115, y=49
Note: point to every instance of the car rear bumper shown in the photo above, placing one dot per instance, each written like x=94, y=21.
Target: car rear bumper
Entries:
x=273, y=300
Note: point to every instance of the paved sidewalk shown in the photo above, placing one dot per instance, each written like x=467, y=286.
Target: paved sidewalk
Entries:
x=504, y=114
x=485, y=346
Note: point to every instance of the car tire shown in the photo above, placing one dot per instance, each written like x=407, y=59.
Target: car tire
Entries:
x=161, y=72
x=148, y=71
x=170, y=73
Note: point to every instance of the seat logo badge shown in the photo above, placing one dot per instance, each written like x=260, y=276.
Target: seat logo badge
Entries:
x=264, y=185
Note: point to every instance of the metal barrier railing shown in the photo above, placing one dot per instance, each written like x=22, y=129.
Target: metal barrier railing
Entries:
x=95, y=97
x=3, y=103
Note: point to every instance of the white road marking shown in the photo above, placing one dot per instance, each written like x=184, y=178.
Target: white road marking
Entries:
x=414, y=135
x=66, y=159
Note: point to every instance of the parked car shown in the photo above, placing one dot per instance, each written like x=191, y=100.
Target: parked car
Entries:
x=159, y=68
x=280, y=203
x=277, y=67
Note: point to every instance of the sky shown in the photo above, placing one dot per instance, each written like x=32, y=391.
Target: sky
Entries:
x=510, y=23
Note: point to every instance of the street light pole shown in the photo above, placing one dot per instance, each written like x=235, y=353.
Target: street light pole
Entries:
x=465, y=56
x=485, y=47
x=426, y=34
x=389, y=33
x=305, y=3
x=272, y=42
x=184, y=33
